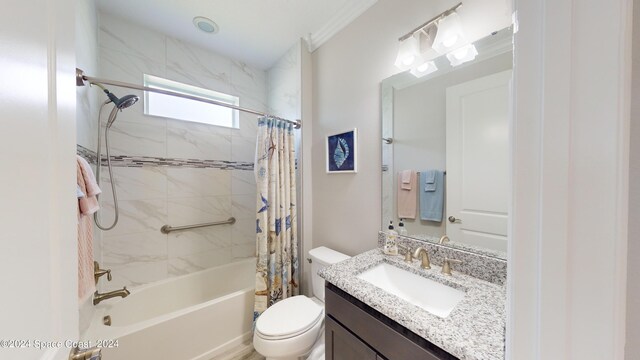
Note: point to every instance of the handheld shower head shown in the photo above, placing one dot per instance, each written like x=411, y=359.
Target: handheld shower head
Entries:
x=119, y=104
x=123, y=102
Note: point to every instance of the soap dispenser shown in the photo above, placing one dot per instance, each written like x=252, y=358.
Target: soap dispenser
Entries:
x=391, y=241
x=402, y=231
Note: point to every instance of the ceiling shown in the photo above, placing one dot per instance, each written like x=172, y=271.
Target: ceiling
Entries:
x=257, y=32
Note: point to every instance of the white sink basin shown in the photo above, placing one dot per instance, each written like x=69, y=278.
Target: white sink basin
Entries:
x=436, y=298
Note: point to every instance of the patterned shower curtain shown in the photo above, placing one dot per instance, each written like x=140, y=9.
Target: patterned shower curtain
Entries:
x=276, y=232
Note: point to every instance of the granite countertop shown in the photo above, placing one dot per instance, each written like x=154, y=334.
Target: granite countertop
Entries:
x=475, y=329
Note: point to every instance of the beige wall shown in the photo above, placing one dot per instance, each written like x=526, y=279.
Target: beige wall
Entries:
x=348, y=70
x=633, y=255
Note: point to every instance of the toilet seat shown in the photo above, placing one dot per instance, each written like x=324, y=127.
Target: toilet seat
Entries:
x=289, y=318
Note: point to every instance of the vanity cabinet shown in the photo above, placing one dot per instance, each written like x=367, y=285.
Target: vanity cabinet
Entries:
x=354, y=330
x=343, y=345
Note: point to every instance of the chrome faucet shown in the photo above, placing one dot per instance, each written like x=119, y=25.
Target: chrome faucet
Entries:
x=424, y=255
x=443, y=239
x=98, y=298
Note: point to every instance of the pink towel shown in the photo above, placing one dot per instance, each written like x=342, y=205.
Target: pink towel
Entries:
x=407, y=198
x=86, y=206
x=89, y=186
x=86, y=282
x=406, y=179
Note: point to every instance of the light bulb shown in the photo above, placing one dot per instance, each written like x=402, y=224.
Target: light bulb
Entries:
x=461, y=53
x=450, y=41
x=449, y=35
x=409, y=60
x=423, y=67
x=408, y=53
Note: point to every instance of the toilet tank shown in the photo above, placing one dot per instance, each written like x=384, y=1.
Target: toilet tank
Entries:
x=322, y=257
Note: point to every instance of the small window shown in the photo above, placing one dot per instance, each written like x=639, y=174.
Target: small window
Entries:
x=189, y=110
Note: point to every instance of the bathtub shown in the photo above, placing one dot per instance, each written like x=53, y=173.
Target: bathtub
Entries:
x=192, y=317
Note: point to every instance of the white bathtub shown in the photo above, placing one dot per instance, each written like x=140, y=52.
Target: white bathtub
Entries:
x=191, y=317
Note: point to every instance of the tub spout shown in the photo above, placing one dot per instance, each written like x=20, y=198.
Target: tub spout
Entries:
x=98, y=298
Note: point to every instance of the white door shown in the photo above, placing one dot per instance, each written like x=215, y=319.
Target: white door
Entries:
x=38, y=246
x=477, y=183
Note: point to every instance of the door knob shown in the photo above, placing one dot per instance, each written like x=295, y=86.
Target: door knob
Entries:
x=452, y=219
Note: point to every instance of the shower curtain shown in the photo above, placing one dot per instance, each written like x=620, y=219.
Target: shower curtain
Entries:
x=276, y=232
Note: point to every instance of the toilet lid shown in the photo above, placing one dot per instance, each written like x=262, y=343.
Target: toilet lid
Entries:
x=289, y=317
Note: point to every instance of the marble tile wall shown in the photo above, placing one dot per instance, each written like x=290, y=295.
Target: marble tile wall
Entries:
x=152, y=196
x=284, y=85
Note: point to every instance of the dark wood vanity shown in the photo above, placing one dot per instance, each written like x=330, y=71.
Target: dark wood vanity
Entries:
x=354, y=330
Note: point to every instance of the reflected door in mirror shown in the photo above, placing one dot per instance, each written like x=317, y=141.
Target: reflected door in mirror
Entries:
x=477, y=161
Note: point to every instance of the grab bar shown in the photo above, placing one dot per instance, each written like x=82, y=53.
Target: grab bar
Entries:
x=167, y=228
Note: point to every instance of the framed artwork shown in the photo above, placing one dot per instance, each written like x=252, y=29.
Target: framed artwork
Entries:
x=342, y=152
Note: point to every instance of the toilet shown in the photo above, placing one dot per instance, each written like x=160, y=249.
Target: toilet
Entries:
x=294, y=327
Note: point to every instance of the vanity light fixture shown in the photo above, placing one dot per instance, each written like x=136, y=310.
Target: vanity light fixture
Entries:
x=462, y=55
x=418, y=47
x=450, y=35
x=423, y=69
x=408, y=54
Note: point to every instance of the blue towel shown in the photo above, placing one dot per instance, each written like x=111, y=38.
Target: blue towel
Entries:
x=432, y=201
x=430, y=180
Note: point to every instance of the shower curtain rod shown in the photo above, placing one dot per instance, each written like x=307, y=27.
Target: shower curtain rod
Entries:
x=81, y=78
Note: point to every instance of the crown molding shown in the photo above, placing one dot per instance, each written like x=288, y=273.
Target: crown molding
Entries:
x=344, y=17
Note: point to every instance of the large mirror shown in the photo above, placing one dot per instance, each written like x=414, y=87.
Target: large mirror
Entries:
x=445, y=150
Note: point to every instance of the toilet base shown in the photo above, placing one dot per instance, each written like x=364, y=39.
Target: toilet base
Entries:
x=316, y=352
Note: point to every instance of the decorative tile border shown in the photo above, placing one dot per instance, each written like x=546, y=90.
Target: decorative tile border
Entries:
x=148, y=161
x=87, y=154
x=480, y=266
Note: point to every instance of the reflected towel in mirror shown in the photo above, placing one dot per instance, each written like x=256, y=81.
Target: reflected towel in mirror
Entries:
x=407, y=198
x=430, y=183
x=406, y=179
x=432, y=201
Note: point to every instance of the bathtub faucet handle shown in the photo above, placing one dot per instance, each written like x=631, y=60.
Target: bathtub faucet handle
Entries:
x=97, y=272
